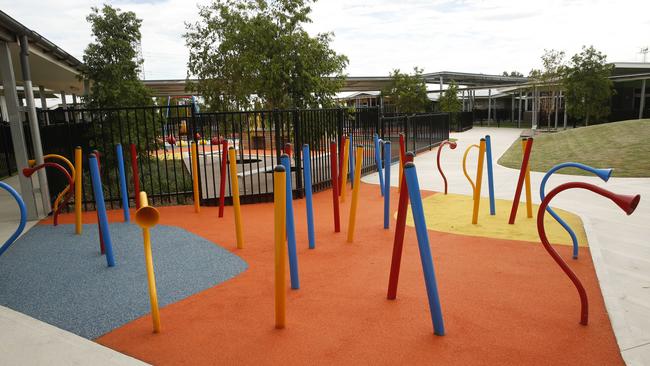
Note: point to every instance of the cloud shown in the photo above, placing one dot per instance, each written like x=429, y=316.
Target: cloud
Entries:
x=487, y=36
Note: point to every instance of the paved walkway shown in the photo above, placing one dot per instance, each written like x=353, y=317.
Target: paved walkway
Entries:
x=619, y=244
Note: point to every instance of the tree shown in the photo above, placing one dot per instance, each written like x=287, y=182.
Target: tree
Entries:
x=513, y=74
x=587, y=84
x=408, y=93
x=111, y=62
x=549, y=80
x=449, y=101
x=247, y=52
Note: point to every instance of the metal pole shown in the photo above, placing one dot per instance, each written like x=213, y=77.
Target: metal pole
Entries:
x=33, y=123
x=556, y=100
x=65, y=106
x=512, y=108
x=441, y=84
x=489, y=106
x=17, y=132
x=519, y=111
x=46, y=118
x=642, y=103
x=463, y=97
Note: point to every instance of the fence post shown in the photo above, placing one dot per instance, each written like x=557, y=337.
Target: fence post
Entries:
x=339, y=127
x=298, y=152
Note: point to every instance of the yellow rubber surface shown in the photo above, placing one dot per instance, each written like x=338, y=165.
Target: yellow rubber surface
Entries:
x=452, y=213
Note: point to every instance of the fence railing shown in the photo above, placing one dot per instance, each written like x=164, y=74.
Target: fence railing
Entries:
x=162, y=136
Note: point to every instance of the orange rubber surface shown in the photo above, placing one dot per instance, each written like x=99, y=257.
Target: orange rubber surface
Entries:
x=503, y=302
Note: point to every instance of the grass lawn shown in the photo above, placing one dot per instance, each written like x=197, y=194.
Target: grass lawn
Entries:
x=620, y=145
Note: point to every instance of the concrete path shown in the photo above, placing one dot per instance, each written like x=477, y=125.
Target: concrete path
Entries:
x=619, y=244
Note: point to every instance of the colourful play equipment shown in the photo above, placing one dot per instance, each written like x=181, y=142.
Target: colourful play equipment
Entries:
x=351, y=164
x=147, y=217
x=136, y=175
x=23, y=217
x=452, y=145
x=280, y=211
x=423, y=244
x=490, y=173
x=222, y=177
x=387, y=161
x=335, y=186
x=124, y=194
x=290, y=223
x=523, y=172
x=78, y=164
x=101, y=209
x=355, y=193
x=627, y=203
x=344, y=169
x=402, y=151
x=341, y=157
x=234, y=184
x=479, y=180
x=469, y=179
x=603, y=174
x=67, y=190
x=398, y=241
x=378, y=143
x=529, y=196
x=195, y=176
x=309, y=200
x=29, y=171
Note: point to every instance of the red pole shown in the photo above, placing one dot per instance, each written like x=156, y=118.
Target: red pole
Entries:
x=287, y=149
x=627, y=203
x=520, y=181
x=222, y=183
x=335, y=188
x=136, y=175
x=452, y=145
x=29, y=171
x=341, y=153
x=99, y=225
x=399, y=234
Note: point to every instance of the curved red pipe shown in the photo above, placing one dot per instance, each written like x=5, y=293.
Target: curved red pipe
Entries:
x=626, y=202
x=452, y=145
x=29, y=171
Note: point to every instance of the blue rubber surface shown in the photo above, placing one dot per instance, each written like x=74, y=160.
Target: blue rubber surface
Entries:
x=60, y=278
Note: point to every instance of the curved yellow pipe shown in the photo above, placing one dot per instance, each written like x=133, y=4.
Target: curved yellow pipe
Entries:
x=59, y=198
x=471, y=182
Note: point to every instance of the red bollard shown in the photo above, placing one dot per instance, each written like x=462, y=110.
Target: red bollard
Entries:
x=136, y=175
x=400, y=227
x=99, y=225
x=341, y=154
x=222, y=182
x=335, y=190
x=452, y=145
x=520, y=181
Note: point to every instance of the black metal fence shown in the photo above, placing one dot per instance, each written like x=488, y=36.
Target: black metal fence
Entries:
x=162, y=137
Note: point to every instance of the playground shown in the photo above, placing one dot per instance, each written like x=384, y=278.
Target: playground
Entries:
x=337, y=277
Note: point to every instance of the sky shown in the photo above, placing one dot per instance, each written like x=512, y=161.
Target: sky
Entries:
x=481, y=36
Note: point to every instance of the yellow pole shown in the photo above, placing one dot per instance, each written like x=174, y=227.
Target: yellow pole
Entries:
x=234, y=184
x=355, y=193
x=195, y=177
x=78, y=161
x=465, y=166
x=147, y=217
x=344, y=170
x=280, y=207
x=529, y=199
x=479, y=178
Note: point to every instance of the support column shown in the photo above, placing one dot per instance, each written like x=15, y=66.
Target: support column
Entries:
x=556, y=102
x=3, y=108
x=512, y=108
x=65, y=106
x=33, y=123
x=75, y=118
x=519, y=111
x=17, y=132
x=489, y=106
x=441, y=84
x=535, y=105
x=46, y=118
x=642, y=101
x=463, y=98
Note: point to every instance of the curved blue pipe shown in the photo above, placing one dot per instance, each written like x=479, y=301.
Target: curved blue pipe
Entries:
x=23, y=217
x=603, y=174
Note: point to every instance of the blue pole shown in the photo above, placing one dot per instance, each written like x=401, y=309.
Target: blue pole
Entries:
x=291, y=226
x=604, y=174
x=23, y=217
x=306, y=158
x=488, y=153
x=101, y=208
x=425, y=252
x=123, y=191
x=378, y=162
x=351, y=160
x=387, y=161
